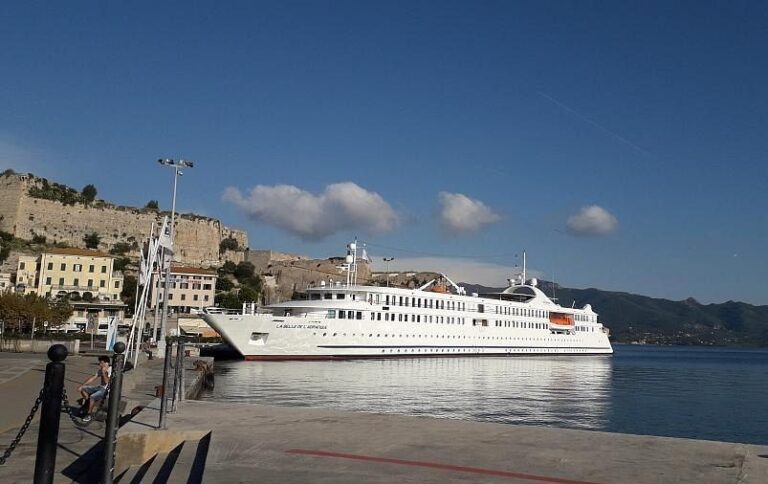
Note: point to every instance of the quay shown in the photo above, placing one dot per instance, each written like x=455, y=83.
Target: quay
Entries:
x=208, y=441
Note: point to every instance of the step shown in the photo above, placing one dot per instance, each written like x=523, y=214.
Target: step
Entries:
x=135, y=474
x=184, y=463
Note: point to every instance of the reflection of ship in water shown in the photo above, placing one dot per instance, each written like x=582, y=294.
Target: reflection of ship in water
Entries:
x=558, y=391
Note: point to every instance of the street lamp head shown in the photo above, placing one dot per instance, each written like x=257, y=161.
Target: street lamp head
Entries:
x=179, y=163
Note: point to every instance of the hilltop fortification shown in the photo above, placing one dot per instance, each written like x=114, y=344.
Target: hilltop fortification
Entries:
x=31, y=206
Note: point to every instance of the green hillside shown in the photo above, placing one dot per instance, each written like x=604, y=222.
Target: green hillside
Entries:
x=635, y=318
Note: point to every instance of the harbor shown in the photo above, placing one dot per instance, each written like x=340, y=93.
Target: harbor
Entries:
x=220, y=441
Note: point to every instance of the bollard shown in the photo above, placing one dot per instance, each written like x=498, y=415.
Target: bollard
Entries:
x=163, y=399
x=113, y=413
x=48, y=435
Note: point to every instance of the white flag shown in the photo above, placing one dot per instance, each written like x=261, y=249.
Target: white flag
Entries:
x=365, y=256
x=165, y=236
x=142, y=269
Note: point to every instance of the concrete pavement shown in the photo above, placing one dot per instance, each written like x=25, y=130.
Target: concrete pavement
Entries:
x=295, y=445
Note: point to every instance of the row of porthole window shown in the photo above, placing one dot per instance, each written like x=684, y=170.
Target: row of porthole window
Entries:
x=475, y=350
x=387, y=335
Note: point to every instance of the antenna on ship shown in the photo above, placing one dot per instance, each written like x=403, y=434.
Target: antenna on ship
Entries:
x=524, y=276
x=351, y=263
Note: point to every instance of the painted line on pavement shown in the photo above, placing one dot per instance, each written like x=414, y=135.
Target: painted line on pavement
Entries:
x=436, y=465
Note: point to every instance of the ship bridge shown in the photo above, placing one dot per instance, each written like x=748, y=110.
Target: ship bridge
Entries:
x=521, y=293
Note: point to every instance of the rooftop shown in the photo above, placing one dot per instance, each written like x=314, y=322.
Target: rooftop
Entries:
x=179, y=269
x=76, y=251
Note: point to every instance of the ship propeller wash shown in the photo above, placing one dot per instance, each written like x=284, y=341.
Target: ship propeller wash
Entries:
x=347, y=320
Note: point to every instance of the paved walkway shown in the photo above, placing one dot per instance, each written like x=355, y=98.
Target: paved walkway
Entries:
x=76, y=443
x=296, y=445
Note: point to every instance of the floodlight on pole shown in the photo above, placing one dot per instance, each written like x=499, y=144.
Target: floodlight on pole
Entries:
x=388, y=260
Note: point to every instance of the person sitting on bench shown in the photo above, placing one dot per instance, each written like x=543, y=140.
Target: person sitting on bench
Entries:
x=96, y=393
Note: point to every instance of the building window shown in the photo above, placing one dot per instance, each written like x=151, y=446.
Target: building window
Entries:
x=183, y=297
x=61, y=281
x=195, y=298
x=207, y=287
x=170, y=296
x=90, y=282
x=78, y=268
x=47, y=281
x=103, y=269
x=91, y=268
x=76, y=282
x=50, y=266
x=63, y=267
x=21, y=266
x=102, y=283
x=117, y=284
x=205, y=298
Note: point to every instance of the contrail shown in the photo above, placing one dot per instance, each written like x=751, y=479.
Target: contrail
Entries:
x=598, y=126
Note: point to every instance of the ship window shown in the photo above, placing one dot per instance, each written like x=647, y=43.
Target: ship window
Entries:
x=378, y=317
x=350, y=315
x=359, y=315
x=327, y=295
x=340, y=296
x=315, y=296
x=342, y=315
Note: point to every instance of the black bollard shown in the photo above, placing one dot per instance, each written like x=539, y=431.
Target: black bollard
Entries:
x=48, y=436
x=113, y=413
x=163, y=391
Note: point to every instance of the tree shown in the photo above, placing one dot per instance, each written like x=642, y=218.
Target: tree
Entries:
x=120, y=248
x=229, y=243
x=88, y=194
x=5, y=251
x=92, y=240
x=128, y=294
x=228, y=268
x=152, y=205
x=244, y=270
x=121, y=263
x=224, y=284
x=247, y=294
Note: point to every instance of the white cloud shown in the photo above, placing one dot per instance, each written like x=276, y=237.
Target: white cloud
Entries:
x=459, y=270
x=592, y=220
x=342, y=206
x=461, y=214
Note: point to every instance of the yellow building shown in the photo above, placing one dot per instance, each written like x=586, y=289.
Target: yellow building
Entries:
x=191, y=288
x=86, y=277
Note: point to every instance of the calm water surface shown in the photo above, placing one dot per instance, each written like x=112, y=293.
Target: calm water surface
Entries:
x=702, y=393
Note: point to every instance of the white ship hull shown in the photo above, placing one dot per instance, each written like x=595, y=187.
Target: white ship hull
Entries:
x=267, y=337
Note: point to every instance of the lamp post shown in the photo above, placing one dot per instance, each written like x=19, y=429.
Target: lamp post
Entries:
x=177, y=166
x=388, y=260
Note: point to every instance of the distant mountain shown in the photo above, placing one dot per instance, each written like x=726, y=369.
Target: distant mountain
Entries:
x=634, y=318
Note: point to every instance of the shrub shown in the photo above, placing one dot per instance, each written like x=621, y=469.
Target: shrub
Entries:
x=92, y=240
x=228, y=244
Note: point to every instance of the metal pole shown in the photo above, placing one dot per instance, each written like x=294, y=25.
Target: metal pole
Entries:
x=113, y=413
x=48, y=435
x=182, y=393
x=156, y=295
x=164, y=318
x=163, y=399
x=177, y=375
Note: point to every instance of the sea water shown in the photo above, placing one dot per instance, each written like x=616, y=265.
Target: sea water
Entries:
x=692, y=392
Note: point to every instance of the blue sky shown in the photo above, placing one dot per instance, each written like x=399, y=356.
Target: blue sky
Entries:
x=441, y=133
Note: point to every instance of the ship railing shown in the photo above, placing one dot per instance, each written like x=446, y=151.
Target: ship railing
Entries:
x=218, y=310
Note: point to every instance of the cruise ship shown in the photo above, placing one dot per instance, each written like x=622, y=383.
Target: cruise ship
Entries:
x=350, y=320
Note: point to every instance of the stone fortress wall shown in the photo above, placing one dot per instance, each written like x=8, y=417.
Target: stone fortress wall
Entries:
x=197, y=238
